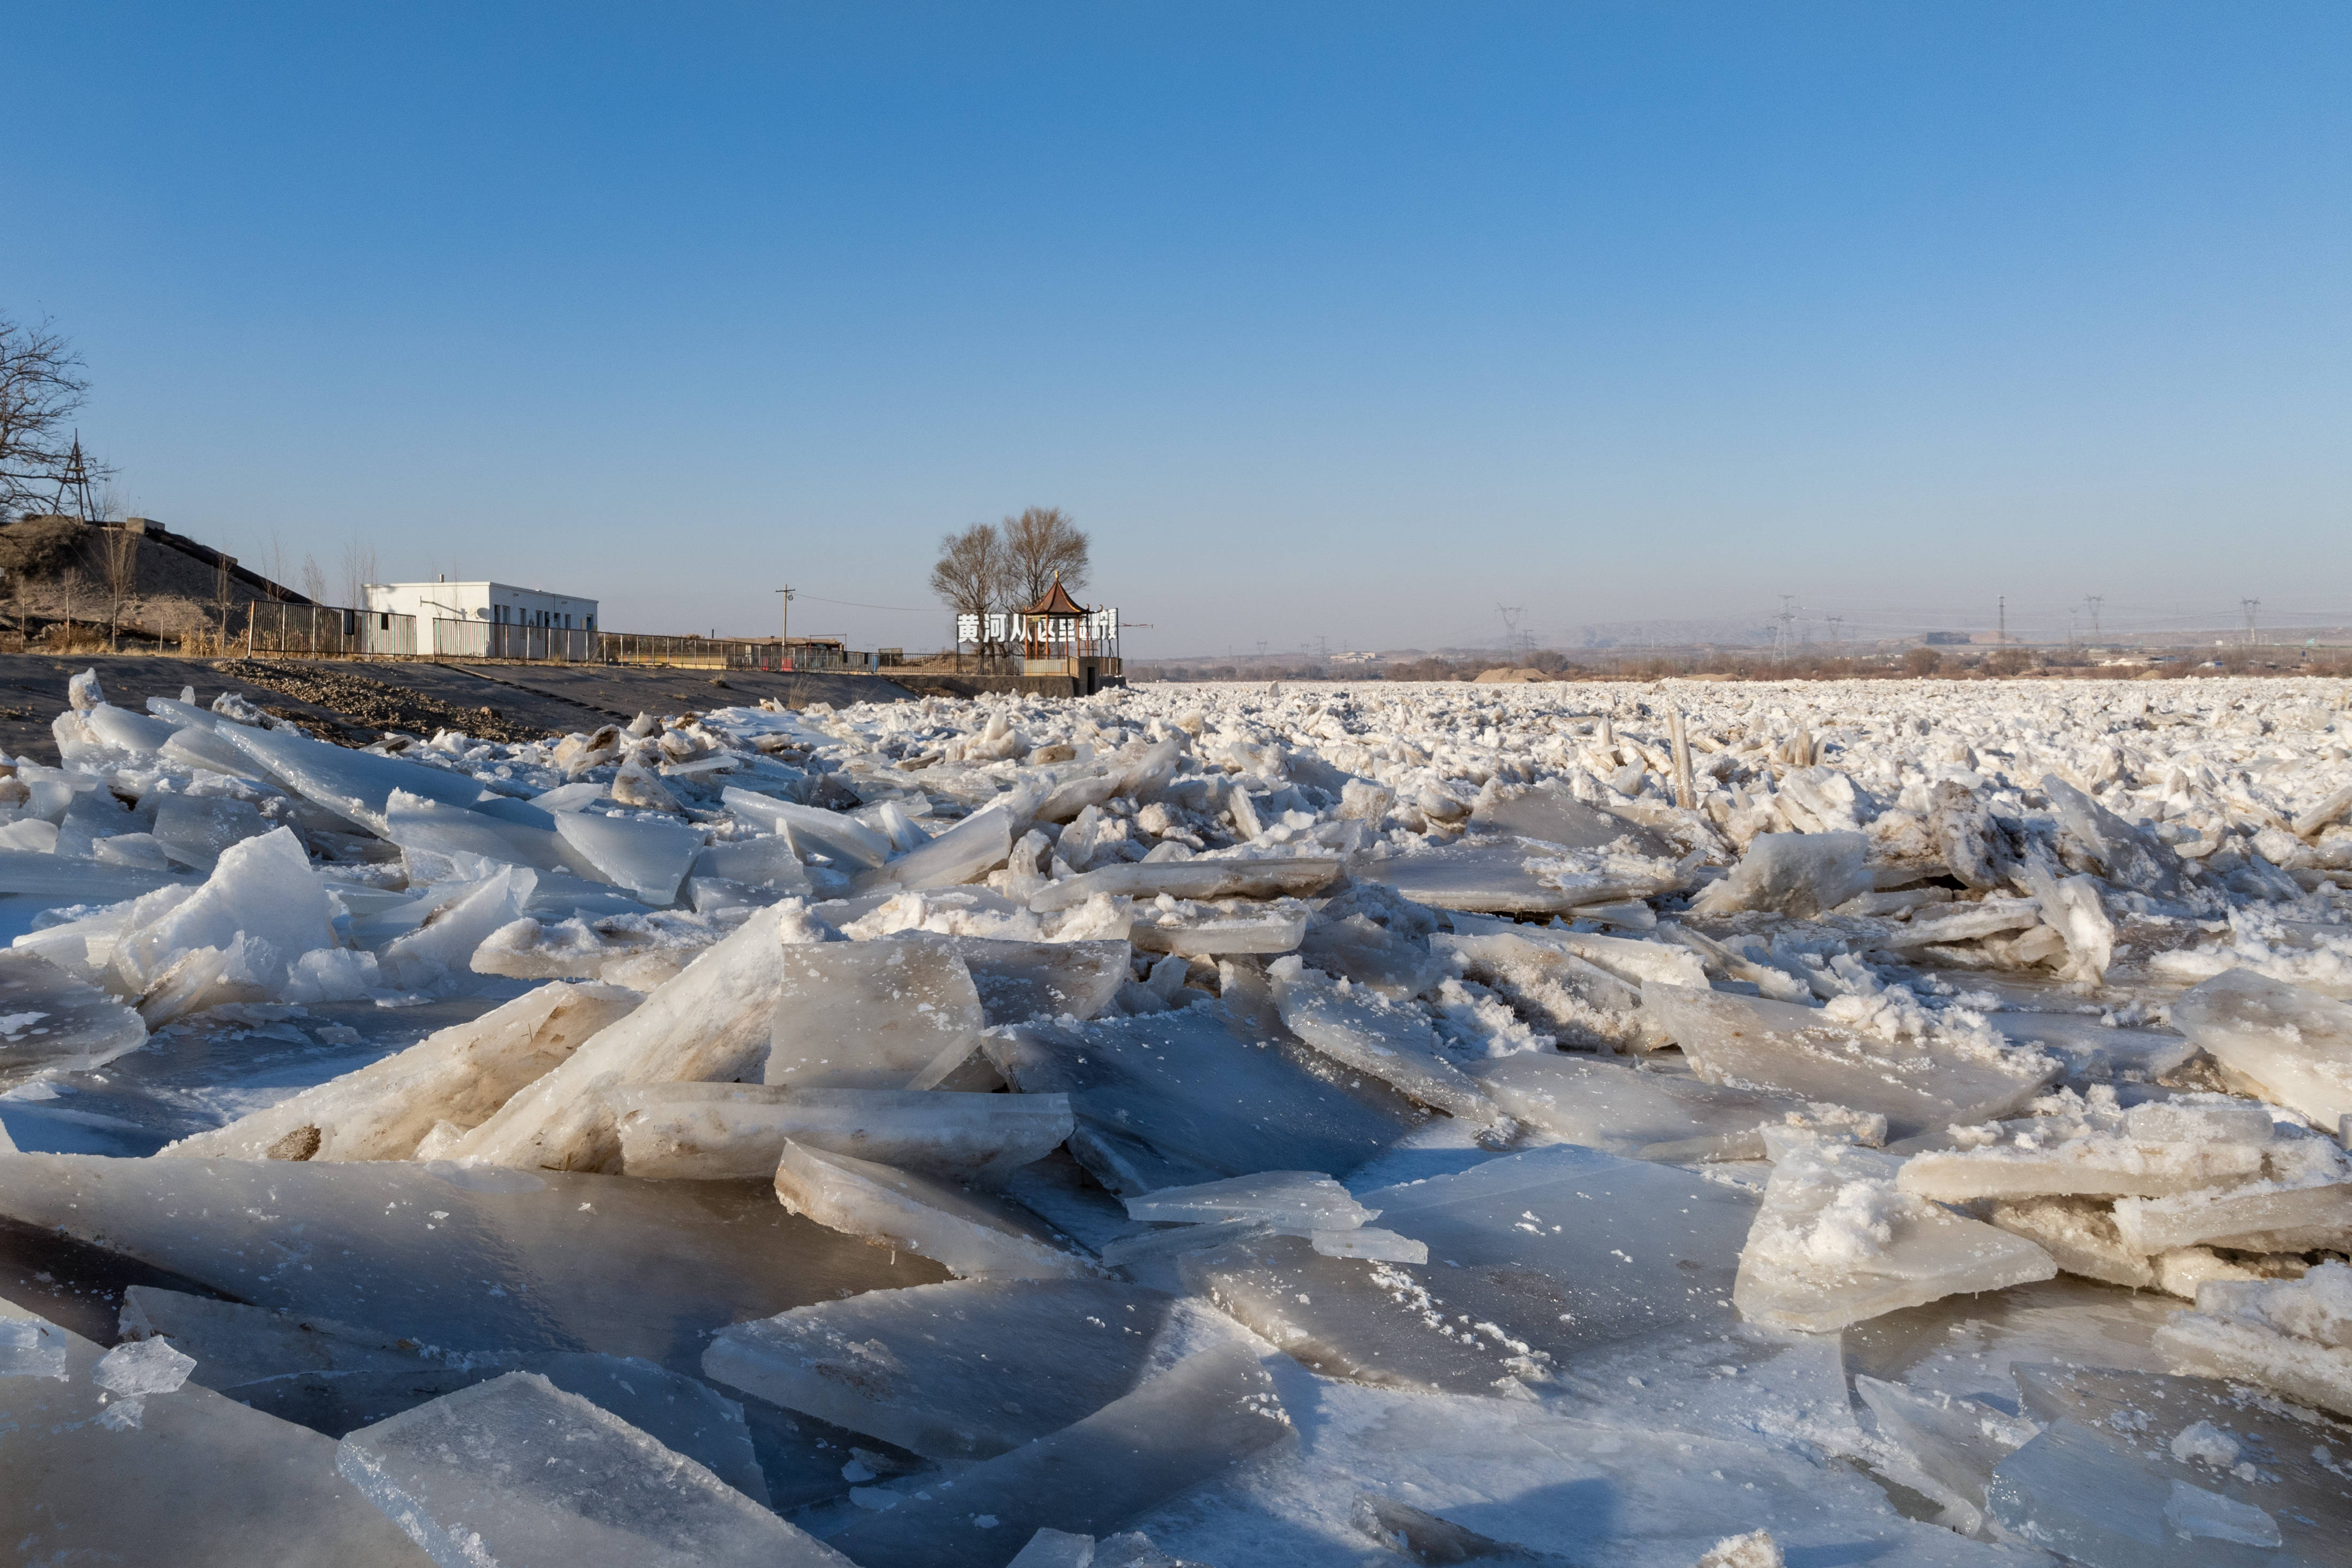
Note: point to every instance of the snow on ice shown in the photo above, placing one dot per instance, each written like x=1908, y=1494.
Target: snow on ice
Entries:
x=1193, y=1125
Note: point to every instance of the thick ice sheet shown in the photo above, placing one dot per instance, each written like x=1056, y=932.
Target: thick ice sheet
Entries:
x=717, y=1130
x=870, y=1015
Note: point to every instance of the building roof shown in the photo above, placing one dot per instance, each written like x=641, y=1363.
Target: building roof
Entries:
x=1056, y=602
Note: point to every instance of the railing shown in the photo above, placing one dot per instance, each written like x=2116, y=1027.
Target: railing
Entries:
x=326, y=631
x=728, y=653
x=494, y=639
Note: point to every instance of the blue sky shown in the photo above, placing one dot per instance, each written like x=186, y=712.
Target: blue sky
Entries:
x=1342, y=321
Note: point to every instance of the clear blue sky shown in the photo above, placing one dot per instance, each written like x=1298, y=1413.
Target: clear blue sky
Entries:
x=1344, y=320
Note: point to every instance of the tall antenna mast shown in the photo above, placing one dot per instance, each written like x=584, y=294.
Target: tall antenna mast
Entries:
x=75, y=482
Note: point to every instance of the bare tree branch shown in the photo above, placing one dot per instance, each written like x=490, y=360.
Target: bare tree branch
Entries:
x=41, y=388
x=1042, y=543
x=970, y=575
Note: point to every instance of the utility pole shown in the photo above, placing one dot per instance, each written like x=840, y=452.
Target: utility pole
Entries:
x=785, y=628
x=2002, y=636
x=2250, y=606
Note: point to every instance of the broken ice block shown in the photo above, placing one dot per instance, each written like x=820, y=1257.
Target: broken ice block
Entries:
x=1952, y=1444
x=1200, y=937
x=1644, y=1115
x=1506, y=877
x=1552, y=814
x=964, y=853
x=1837, y=1242
x=1364, y=1031
x=2303, y=1201
x=467, y=1258
x=2106, y=1504
x=706, y=1131
x=194, y=829
x=1756, y=1549
x=1799, y=874
x=2292, y=1335
x=2296, y=1044
x=647, y=858
x=31, y=1347
x=935, y=1368
x=2150, y=1150
x=1918, y=1086
x=1369, y=1241
x=1209, y=1103
x=712, y=1022
x=869, y=1014
x=202, y=1480
x=1576, y=1002
x=1199, y=879
x=355, y=785
x=515, y=1471
x=461, y=1074
x=765, y=862
x=442, y=949
x=36, y=872
x=1212, y=1408
x=1018, y=981
x=440, y=842
x=2080, y=1235
x=131, y=1372
x=842, y=839
x=2215, y=1437
x=1295, y=1202
x=966, y=1233
x=1534, y=1259
x=1056, y=1549
x=261, y=892
x=48, y=1019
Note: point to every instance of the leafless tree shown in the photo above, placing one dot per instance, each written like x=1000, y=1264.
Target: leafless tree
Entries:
x=358, y=570
x=1043, y=542
x=41, y=388
x=118, y=558
x=314, y=580
x=222, y=579
x=73, y=596
x=969, y=576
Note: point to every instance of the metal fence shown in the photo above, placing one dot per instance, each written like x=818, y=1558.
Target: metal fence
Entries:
x=326, y=631
x=728, y=653
x=489, y=639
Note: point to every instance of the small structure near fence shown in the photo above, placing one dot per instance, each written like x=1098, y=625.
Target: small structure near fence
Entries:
x=491, y=620
x=1055, y=637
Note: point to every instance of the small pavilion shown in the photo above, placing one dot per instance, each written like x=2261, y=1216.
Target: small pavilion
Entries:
x=1058, y=636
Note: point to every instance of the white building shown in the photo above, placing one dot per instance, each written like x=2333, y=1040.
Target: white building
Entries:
x=493, y=620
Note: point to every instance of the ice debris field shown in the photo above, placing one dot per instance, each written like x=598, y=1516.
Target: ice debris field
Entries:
x=1888, y=1124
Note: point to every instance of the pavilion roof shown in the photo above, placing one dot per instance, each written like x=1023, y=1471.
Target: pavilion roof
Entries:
x=1056, y=602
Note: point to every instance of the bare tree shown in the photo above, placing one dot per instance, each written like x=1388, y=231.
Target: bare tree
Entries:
x=118, y=558
x=41, y=388
x=358, y=570
x=970, y=575
x=222, y=579
x=314, y=581
x=1042, y=544
x=73, y=594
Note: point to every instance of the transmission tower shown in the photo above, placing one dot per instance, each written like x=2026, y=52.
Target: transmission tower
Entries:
x=2094, y=601
x=1511, y=614
x=1782, y=639
x=1837, y=637
x=75, y=482
x=2251, y=605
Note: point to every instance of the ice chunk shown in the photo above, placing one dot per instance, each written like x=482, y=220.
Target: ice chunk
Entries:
x=1208, y=1103
x=1799, y=874
x=1056, y=1549
x=1918, y=1086
x=1753, y=1549
x=1295, y=1202
x=1952, y=1444
x=223, y=1486
x=1536, y=1257
x=469, y=1258
x=439, y=842
x=442, y=949
x=930, y=1368
x=83, y=694
x=842, y=839
x=707, y=1130
x=1277, y=932
x=2080, y=1235
x=2303, y=1201
x=2294, y=1043
x=968, y=1233
x=515, y=1471
x=712, y=1022
x=1018, y=981
x=355, y=785
x=194, y=829
x=870, y=1015
x=639, y=950
x=1211, y=1408
x=2293, y=1335
x=1645, y=1115
x=2151, y=1150
x=130, y=1373
x=49, y=1020
x=648, y=859
x=1550, y=815
x=461, y=1074
x=39, y=871
x=2078, y=1491
x=1199, y=879
x=261, y=893
x=31, y=1347
x=765, y=862
x=2127, y=853
x=1576, y=1002
x=1837, y=1242
x=964, y=853
x=1366, y=1032
x=1511, y=877
x=1369, y=1241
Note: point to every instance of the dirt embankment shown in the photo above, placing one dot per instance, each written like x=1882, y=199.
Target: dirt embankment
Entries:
x=372, y=706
